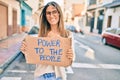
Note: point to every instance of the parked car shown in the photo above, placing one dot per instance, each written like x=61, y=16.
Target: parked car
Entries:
x=34, y=30
x=71, y=28
x=111, y=36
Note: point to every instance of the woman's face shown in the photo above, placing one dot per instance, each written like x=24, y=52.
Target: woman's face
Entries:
x=52, y=15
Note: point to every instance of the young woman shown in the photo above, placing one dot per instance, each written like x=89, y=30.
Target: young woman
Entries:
x=51, y=24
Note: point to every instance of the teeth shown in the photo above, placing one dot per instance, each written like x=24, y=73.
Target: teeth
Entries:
x=52, y=19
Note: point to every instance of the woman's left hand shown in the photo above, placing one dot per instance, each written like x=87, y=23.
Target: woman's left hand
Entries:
x=70, y=54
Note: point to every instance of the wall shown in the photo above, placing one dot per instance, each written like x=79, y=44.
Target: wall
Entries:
x=11, y=5
x=115, y=13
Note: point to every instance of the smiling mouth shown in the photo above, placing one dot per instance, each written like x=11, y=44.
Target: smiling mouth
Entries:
x=53, y=20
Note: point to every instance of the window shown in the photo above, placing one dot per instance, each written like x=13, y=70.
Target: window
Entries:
x=118, y=31
x=109, y=21
x=111, y=30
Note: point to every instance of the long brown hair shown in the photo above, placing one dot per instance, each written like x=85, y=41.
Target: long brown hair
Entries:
x=44, y=24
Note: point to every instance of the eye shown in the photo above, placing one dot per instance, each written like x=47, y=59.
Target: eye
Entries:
x=54, y=12
x=48, y=13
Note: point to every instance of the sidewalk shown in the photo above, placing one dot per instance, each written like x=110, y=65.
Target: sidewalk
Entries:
x=9, y=49
x=94, y=34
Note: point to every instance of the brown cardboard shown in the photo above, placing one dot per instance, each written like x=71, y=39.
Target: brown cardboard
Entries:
x=38, y=52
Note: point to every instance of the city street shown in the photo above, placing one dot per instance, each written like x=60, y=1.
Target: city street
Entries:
x=94, y=61
x=94, y=24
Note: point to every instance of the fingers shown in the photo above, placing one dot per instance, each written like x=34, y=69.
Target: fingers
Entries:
x=23, y=47
x=70, y=57
x=69, y=54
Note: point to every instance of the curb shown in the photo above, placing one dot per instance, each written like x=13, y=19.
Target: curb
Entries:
x=6, y=64
x=12, y=57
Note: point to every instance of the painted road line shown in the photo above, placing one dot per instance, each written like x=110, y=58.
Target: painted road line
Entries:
x=81, y=36
x=89, y=52
x=11, y=78
x=20, y=71
x=75, y=41
x=69, y=70
x=101, y=66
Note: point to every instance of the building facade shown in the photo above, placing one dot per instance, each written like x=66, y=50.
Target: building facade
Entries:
x=9, y=18
x=110, y=9
x=95, y=9
x=16, y=16
x=112, y=15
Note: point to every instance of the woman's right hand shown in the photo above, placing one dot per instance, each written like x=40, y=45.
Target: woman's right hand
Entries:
x=23, y=47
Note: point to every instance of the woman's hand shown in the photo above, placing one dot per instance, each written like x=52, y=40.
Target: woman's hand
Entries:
x=23, y=47
x=70, y=54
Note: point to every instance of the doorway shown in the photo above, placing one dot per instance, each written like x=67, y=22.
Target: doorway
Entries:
x=109, y=21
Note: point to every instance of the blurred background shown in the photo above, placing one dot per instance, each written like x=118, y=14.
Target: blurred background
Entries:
x=95, y=25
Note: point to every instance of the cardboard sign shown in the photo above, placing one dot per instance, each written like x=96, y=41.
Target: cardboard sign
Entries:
x=46, y=50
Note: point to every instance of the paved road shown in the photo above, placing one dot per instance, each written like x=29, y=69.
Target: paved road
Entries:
x=94, y=61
